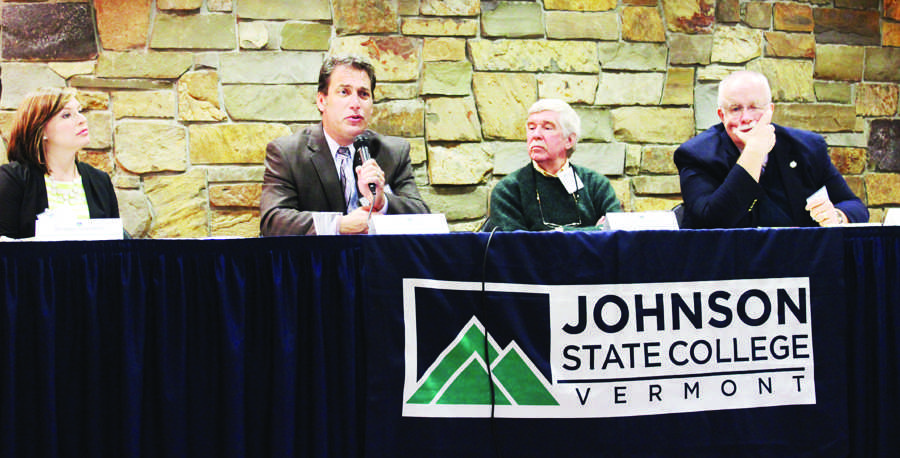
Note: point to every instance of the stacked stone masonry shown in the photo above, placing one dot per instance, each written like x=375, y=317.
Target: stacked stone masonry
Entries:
x=182, y=96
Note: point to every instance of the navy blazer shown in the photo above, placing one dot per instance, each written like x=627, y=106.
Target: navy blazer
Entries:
x=717, y=194
x=300, y=178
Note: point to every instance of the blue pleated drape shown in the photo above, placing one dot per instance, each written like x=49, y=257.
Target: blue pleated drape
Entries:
x=873, y=337
x=180, y=348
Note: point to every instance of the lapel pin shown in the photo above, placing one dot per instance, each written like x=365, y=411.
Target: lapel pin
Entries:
x=793, y=164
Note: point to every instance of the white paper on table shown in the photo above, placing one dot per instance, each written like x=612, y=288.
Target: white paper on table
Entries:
x=61, y=224
x=819, y=196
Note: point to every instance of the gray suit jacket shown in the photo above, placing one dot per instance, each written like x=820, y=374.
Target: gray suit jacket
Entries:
x=301, y=178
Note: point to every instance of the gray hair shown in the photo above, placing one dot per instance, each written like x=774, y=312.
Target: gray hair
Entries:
x=569, y=121
x=743, y=74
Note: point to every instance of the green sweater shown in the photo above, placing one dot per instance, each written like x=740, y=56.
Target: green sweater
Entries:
x=514, y=203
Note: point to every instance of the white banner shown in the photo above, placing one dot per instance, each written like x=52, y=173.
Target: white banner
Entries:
x=630, y=349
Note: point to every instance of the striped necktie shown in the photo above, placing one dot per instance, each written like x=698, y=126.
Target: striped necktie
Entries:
x=347, y=183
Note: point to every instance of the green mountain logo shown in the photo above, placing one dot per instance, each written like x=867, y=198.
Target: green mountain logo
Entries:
x=459, y=376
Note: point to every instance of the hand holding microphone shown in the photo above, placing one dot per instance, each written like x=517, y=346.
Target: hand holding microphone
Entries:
x=367, y=170
x=363, y=154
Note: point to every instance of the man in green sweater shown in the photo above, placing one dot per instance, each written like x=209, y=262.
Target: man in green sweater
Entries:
x=550, y=193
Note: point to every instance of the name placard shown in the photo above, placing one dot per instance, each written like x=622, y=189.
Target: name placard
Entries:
x=55, y=229
x=634, y=221
x=431, y=223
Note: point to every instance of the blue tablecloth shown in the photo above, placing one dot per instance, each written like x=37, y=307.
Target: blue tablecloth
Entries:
x=307, y=346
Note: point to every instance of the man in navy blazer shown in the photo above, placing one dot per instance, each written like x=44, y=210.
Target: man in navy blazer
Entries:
x=307, y=173
x=748, y=172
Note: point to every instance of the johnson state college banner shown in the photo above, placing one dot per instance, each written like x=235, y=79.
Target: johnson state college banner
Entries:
x=671, y=343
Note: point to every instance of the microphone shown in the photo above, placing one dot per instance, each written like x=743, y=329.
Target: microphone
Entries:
x=361, y=144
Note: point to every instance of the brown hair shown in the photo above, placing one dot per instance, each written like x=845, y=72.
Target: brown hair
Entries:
x=26, y=136
x=353, y=61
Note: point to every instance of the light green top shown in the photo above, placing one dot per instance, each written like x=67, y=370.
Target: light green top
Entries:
x=68, y=195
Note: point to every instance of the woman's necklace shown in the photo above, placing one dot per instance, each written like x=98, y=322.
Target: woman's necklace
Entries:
x=64, y=192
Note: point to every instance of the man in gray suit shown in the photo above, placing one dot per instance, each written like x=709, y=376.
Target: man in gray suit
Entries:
x=312, y=171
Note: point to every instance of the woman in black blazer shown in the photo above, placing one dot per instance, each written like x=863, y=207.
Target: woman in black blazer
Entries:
x=43, y=170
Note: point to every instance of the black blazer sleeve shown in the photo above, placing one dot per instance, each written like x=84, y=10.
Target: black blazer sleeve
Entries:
x=14, y=218
x=100, y=193
x=23, y=196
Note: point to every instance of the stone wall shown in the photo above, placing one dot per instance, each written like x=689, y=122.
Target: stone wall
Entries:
x=183, y=95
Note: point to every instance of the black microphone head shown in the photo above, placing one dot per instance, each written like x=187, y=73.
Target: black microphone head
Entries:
x=361, y=140
x=361, y=145
x=367, y=145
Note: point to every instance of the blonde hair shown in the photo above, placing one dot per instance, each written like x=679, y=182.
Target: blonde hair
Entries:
x=35, y=111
